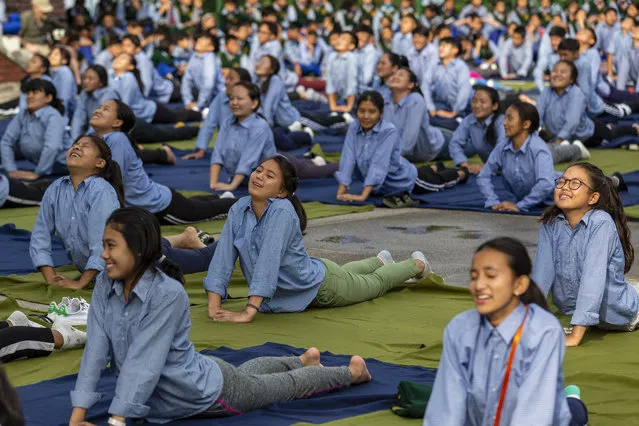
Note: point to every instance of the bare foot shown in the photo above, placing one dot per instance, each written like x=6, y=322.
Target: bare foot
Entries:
x=190, y=239
x=359, y=372
x=170, y=156
x=310, y=357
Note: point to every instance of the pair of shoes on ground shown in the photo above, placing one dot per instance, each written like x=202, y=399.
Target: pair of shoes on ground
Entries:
x=72, y=337
x=386, y=258
x=70, y=311
x=399, y=201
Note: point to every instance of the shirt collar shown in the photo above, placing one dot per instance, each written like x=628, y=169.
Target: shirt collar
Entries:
x=486, y=123
x=524, y=147
x=141, y=289
x=376, y=128
x=507, y=329
x=585, y=220
x=247, y=122
x=41, y=112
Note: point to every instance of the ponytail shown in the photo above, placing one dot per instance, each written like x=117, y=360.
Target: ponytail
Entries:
x=170, y=268
x=274, y=68
x=136, y=72
x=534, y=295
x=127, y=116
x=299, y=209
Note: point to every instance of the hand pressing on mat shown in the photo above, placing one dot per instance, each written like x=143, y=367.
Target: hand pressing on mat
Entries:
x=506, y=206
x=194, y=155
x=77, y=417
x=222, y=315
x=574, y=338
x=342, y=195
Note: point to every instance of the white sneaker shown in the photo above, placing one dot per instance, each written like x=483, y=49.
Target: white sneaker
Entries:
x=585, y=154
x=319, y=161
x=348, y=118
x=227, y=194
x=564, y=143
x=418, y=255
x=295, y=127
x=310, y=131
x=75, y=313
x=205, y=112
x=385, y=257
x=19, y=319
x=633, y=147
x=72, y=338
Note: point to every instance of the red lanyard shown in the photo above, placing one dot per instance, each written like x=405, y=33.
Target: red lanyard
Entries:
x=511, y=356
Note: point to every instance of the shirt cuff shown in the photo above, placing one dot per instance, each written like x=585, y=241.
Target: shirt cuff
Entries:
x=491, y=202
x=42, y=259
x=524, y=207
x=95, y=262
x=86, y=400
x=127, y=409
x=216, y=286
x=584, y=318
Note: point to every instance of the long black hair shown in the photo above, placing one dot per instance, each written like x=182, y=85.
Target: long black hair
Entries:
x=609, y=201
x=127, y=116
x=103, y=76
x=491, y=132
x=141, y=231
x=275, y=68
x=527, y=112
x=290, y=182
x=520, y=263
x=111, y=171
x=10, y=412
x=135, y=71
x=39, y=85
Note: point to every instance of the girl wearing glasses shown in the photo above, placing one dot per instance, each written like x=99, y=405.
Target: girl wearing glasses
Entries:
x=510, y=318
x=524, y=160
x=583, y=253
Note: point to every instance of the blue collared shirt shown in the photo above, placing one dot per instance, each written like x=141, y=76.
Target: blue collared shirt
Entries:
x=77, y=217
x=447, y=86
x=273, y=48
x=219, y=111
x=628, y=69
x=156, y=87
x=564, y=116
x=514, y=59
x=367, y=59
x=528, y=172
x=420, y=141
x=64, y=82
x=139, y=189
x=128, y=89
x=470, y=138
x=375, y=158
x=341, y=79
x=4, y=189
x=588, y=86
x=593, y=58
x=272, y=257
x=546, y=60
x=240, y=147
x=401, y=43
x=276, y=105
x=201, y=75
x=308, y=58
x=471, y=370
x=146, y=340
x=584, y=269
x=23, y=96
x=605, y=35
x=292, y=51
x=481, y=11
x=421, y=61
x=86, y=106
x=383, y=89
x=105, y=59
x=39, y=136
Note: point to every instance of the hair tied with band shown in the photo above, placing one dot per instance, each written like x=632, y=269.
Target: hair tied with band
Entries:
x=162, y=259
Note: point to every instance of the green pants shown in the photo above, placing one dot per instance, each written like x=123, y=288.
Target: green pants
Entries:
x=360, y=281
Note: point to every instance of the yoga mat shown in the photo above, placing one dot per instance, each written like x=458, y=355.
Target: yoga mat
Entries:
x=14, y=246
x=48, y=403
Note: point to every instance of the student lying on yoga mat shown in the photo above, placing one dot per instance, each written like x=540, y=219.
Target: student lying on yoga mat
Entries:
x=265, y=231
x=479, y=132
x=15, y=193
x=524, y=161
x=23, y=338
x=113, y=121
x=36, y=134
x=372, y=151
x=160, y=376
x=406, y=109
x=583, y=253
x=484, y=378
x=219, y=111
x=245, y=139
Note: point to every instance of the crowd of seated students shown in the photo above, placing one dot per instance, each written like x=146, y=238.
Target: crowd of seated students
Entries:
x=397, y=84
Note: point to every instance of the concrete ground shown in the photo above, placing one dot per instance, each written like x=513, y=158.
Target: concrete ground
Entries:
x=448, y=238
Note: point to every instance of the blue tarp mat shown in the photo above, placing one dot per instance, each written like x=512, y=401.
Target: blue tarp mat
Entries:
x=14, y=246
x=48, y=403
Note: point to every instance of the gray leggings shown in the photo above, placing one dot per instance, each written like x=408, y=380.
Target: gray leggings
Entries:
x=564, y=153
x=269, y=380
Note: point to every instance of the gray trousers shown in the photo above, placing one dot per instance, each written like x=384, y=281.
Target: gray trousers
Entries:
x=564, y=153
x=269, y=380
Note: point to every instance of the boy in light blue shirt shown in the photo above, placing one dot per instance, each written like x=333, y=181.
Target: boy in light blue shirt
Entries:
x=200, y=75
x=341, y=78
x=403, y=40
x=367, y=57
x=516, y=56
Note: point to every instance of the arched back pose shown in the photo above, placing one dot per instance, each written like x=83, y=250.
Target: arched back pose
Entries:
x=584, y=250
x=502, y=362
x=160, y=376
x=264, y=230
x=95, y=92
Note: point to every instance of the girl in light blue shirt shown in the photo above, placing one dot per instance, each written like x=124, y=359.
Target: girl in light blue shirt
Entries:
x=510, y=321
x=75, y=208
x=160, y=375
x=264, y=230
x=584, y=251
x=37, y=67
x=63, y=79
x=524, y=161
x=37, y=133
